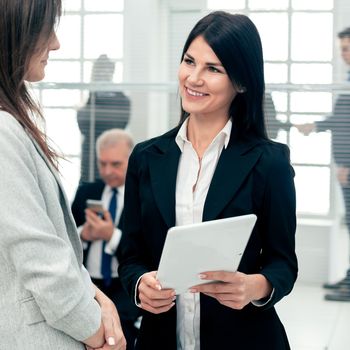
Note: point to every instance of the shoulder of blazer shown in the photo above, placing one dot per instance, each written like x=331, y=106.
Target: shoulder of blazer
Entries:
x=96, y=186
x=157, y=144
x=275, y=149
x=10, y=125
x=89, y=190
x=274, y=157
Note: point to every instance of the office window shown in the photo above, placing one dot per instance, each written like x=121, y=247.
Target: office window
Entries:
x=87, y=29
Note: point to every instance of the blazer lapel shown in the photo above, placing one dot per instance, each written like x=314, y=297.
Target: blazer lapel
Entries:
x=163, y=165
x=71, y=227
x=235, y=163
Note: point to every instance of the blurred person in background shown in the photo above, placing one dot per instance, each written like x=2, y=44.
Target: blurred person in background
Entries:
x=103, y=110
x=273, y=125
x=101, y=231
x=339, y=125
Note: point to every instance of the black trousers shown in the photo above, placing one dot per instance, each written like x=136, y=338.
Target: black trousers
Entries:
x=128, y=312
x=346, y=196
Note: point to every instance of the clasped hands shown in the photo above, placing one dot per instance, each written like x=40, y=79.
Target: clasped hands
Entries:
x=96, y=228
x=232, y=289
x=110, y=335
x=306, y=129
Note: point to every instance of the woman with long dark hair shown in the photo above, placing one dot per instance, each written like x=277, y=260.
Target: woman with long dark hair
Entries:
x=217, y=163
x=47, y=300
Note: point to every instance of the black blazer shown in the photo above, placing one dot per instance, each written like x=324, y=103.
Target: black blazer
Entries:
x=93, y=190
x=251, y=177
x=88, y=190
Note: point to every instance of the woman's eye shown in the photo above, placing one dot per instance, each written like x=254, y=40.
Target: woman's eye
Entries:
x=188, y=61
x=213, y=69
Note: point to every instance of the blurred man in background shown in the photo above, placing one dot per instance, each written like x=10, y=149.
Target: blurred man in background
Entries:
x=339, y=124
x=101, y=230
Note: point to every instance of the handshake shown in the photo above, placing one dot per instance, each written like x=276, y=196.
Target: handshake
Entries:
x=306, y=128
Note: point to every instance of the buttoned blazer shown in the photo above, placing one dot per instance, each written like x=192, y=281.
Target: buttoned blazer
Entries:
x=46, y=296
x=251, y=176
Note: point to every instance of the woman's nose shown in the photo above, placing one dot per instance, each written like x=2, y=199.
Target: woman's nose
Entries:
x=54, y=42
x=195, y=77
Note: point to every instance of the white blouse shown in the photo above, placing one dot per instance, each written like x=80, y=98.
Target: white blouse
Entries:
x=193, y=179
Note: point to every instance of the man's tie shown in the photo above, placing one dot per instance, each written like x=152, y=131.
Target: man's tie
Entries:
x=107, y=258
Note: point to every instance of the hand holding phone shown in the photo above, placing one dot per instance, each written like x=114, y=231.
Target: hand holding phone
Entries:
x=96, y=206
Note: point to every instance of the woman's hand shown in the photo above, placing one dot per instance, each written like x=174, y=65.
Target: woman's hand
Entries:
x=152, y=297
x=96, y=340
x=233, y=289
x=113, y=335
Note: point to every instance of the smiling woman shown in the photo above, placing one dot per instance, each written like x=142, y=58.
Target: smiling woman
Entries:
x=205, y=87
x=218, y=163
x=38, y=62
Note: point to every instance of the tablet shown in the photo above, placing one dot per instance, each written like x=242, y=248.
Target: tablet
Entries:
x=206, y=246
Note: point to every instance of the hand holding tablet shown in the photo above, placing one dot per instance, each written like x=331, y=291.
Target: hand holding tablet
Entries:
x=208, y=246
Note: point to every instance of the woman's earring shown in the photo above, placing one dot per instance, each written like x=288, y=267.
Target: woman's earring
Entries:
x=241, y=89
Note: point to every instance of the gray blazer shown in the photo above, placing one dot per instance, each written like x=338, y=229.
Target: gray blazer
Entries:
x=46, y=296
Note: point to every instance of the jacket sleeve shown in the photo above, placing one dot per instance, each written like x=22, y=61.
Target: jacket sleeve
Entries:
x=131, y=248
x=38, y=251
x=79, y=205
x=277, y=225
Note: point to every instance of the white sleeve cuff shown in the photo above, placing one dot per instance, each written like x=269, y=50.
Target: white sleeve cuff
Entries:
x=84, y=243
x=112, y=245
x=135, y=295
x=263, y=302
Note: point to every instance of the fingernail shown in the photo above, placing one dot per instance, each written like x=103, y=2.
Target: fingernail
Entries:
x=158, y=286
x=193, y=290
x=111, y=341
x=202, y=276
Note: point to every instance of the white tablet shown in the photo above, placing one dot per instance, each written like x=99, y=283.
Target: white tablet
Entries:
x=207, y=246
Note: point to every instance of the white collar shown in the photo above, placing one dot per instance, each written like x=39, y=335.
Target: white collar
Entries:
x=181, y=137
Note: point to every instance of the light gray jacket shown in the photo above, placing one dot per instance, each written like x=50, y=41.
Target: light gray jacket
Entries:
x=46, y=296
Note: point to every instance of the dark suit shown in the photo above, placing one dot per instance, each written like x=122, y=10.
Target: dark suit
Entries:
x=128, y=312
x=273, y=125
x=250, y=177
x=339, y=124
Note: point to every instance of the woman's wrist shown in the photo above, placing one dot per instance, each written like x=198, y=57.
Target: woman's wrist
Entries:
x=97, y=340
x=262, y=288
x=101, y=298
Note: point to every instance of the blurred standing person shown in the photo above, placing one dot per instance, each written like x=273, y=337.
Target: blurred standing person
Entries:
x=104, y=110
x=47, y=300
x=339, y=125
x=217, y=163
x=273, y=125
x=101, y=232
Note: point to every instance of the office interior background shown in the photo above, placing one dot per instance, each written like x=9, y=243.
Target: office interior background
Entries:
x=303, y=70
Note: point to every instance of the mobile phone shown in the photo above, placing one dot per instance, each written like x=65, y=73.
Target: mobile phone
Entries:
x=95, y=205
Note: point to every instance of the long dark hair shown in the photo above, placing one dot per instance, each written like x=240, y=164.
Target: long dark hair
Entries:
x=236, y=42
x=22, y=24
